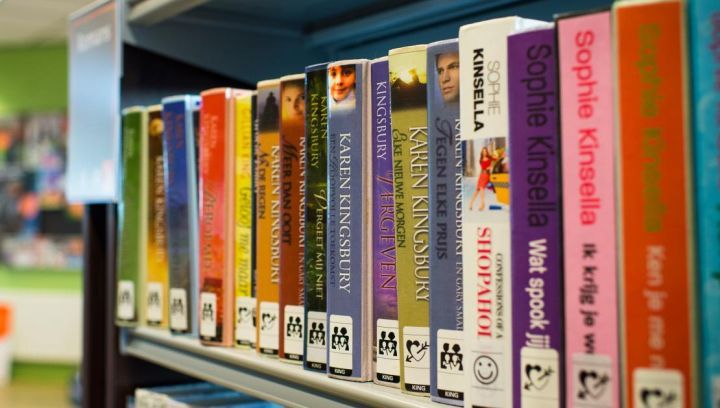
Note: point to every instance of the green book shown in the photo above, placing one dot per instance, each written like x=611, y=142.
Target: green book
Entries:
x=131, y=265
x=408, y=101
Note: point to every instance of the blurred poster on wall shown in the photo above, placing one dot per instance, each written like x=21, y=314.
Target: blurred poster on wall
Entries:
x=38, y=227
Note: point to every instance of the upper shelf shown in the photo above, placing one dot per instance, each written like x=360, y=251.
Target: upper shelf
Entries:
x=265, y=378
x=251, y=40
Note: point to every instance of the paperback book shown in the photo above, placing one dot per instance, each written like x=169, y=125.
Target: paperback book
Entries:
x=408, y=89
x=292, y=217
x=657, y=270
x=180, y=154
x=589, y=236
x=245, y=307
x=217, y=215
x=131, y=267
x=487, y=283
x=704, y=27
x=445, y=200
x=386, y=349
x=535, y=218
x=157, y=245
x=348, y=246
x=316, y=114
x=267, y=216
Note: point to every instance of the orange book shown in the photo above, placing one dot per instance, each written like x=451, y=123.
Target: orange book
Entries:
x=656, y=229
x=267, y=216
x=216, y=184
x=292, y=221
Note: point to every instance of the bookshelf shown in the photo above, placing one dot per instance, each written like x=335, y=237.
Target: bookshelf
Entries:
x=247, y=41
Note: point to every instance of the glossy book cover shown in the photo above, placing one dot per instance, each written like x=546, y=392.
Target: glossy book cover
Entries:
x=292, y=217
x=131, y=265
x=316, y=114
x=536, y=220
x=408, y=90
x=267, y=216
x=156, y=309
x=386, y=353
x=445, y=168
x=179, y=149
x=348, y=250
x=585, y=59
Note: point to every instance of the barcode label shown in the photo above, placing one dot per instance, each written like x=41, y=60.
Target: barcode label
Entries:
x=208, y=315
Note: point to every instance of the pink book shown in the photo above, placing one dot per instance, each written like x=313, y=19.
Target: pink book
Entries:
x=591, y=301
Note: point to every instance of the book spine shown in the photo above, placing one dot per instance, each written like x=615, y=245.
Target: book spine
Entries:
x=316, y=111
x=536, y=216
x=705, y=57
x=267, y=217
x=487, y=283
x=157, y=261
x=177, y=189
x=410, y=177
x=385, y=312
x=292, y=223
x=131, y=247
x=215, y=218
x=445, y=189
x=589, y=241
x=192, y=123
x=245, y=330
x=656, y=234
x=348, y=275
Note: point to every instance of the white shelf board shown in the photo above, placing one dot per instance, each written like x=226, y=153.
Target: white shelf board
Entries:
x=263, y=377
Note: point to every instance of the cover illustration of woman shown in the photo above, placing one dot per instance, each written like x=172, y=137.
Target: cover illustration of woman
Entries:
x=483, y=178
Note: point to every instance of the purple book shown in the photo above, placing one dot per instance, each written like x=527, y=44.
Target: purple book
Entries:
x=386, y=369
x=535, y=218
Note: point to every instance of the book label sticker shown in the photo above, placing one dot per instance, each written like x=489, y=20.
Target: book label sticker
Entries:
x=178, y=309
x=294, y=316
x=245, y=316
x=208, y=315
x=126, y=300
x=269, y=328
x=540, y=383
x=450, y=375
x=341, y=347
x=488, y=372
x=316, y=341
x=658, y=388
x=416, y=358
x=592, y=380
x=387, y=367
x=154, y=303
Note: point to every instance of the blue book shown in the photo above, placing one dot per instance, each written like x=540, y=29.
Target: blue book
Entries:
x=180, y=118
x=704, y=27
x=445, y=201
x=348, y=251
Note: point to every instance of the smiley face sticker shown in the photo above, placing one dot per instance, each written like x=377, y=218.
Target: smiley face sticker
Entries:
x=486, y=370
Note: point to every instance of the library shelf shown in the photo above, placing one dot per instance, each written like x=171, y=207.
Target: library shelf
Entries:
x=264, y=377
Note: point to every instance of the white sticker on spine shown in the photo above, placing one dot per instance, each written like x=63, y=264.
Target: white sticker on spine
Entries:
x=316, y=340
x=294, y=328
x=155, y=303
x=416, y=358
x=592, y=381
x=178, y=309
x=245, y=316
x=126, y=300
x=208, y=315
x=269, y=328
x=341, y=345
x=450, y=370
x=387, y=346
x=658, y=388
x=539, y=377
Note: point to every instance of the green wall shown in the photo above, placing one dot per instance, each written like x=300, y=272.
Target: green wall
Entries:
x=33, y=78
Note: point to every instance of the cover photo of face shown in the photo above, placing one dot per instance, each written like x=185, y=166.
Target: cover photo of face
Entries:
x=341, y=84
x=447, y=67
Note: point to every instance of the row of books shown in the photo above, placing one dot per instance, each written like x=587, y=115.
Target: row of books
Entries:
x=194, y=395
x=357, y=218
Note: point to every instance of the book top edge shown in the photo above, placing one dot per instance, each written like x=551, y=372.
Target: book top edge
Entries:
x=316, y=67
x=179, y=98
x=409, y=48
x=292, y=77
x=156, y=107
x=381, y=59
x=134, y=109
x=268, y=82
x=637, y=3
x=348, y=62
x=443, y=42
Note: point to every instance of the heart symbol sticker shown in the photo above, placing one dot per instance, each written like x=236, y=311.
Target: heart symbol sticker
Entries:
x=415, y=350
x=592, y=384
x=537, y=377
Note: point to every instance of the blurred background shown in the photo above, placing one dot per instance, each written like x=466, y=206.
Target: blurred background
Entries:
x=40, y=234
